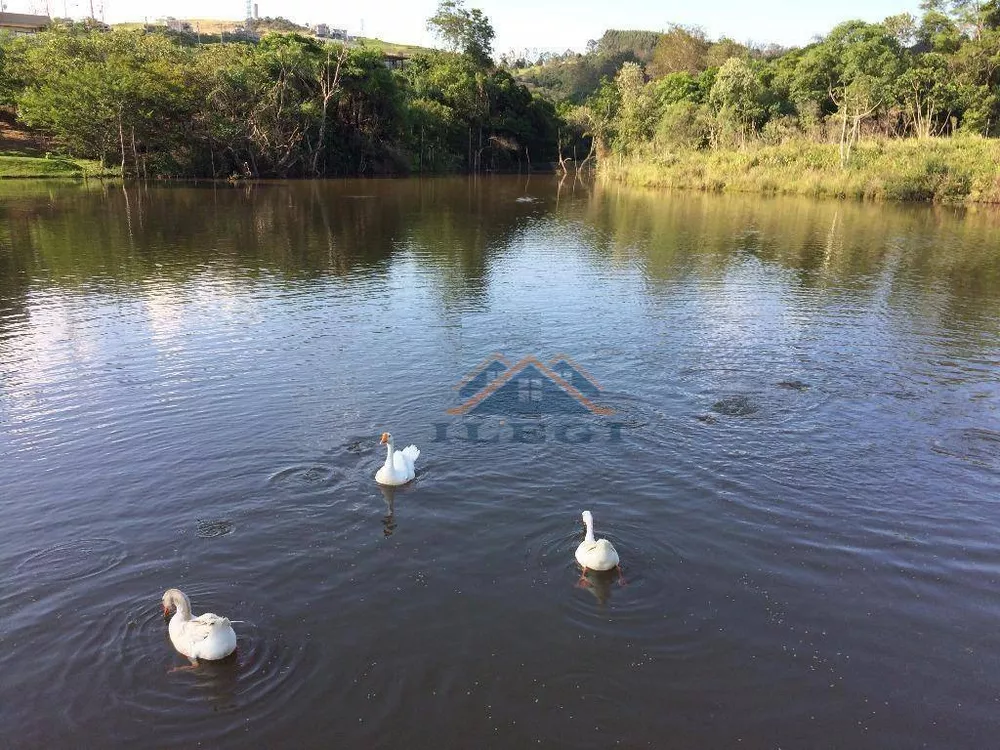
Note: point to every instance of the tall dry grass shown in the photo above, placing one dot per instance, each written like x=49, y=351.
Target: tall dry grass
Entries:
x=947, y=170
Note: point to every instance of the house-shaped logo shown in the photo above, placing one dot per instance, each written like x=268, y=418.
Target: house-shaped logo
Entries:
x=528, y=388
x=482, y=376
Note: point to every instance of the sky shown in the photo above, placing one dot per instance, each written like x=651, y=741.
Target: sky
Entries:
x=543, y=25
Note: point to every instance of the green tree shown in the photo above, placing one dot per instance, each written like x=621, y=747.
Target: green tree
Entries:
x=636, y=113
x=903, y=28
x=105, y=94
x=938, y=33
x=467, y=31
x=277, y=23
x=285, y=114
x=639, y=46
x=283, y=105
x=856, y=65
x=492, y=119
x=676, y=87
x=7, y=85
x=972, y=17
x=928, y=93
x=735, y=98
x=805, y=102
x=682, y=49
x=685, y=124
x=598, y=117
x=575, y=78
x=977, y=78
x=227, y=125
x=776, y=99
x=724, y=49
x=294, y=106
x=431, y=125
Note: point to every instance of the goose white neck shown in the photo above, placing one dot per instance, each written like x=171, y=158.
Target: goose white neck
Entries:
x=588, y=521
x=181, y=603
x=388, y=452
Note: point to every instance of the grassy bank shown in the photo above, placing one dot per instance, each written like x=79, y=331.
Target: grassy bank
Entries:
x=392, y=48
x=959, y=170
x=15, y=166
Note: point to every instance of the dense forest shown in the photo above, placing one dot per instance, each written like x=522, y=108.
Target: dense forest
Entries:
x=287, y=104
x=903, y=77
x=166, y=103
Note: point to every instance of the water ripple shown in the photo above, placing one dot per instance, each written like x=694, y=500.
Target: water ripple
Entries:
x=973, y=444
x=304, y=474
x=151, y=683
x=71, y=561
x=210, y=529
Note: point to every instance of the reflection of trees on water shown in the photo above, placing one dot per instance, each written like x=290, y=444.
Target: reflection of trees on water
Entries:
x=454, y=231
x=297, y=229
x=900, y=252
x=14, y=280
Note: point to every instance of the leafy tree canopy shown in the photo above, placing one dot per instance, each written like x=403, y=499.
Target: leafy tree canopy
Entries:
x=467, y=31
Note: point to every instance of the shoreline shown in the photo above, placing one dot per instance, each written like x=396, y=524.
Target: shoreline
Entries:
x=24, y=166
x=952, y=171
x=938, y=170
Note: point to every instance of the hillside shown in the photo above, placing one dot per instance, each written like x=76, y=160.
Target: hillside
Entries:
x=213, y=28
x=391, y=48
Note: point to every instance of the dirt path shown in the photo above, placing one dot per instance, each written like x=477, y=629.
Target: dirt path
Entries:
x=15, y=139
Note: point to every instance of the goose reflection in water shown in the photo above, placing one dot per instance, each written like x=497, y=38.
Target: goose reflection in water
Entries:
x=389, y=519
x=599, y=583
x=219, y=683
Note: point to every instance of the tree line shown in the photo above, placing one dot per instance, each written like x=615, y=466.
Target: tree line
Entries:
x=287, y=105
x=904, y=77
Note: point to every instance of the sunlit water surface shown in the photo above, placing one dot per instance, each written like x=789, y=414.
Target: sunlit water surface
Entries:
x=800, y=471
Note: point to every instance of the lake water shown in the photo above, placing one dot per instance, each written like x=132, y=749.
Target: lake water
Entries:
x=795, y=448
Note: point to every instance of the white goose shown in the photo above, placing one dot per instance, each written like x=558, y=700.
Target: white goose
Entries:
x=595, y=554
x=398, y=466
x=207, y=636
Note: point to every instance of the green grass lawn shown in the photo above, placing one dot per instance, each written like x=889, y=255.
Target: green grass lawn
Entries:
x=14, y=166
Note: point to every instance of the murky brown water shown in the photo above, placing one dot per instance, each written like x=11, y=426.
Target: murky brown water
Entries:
x=801, y=470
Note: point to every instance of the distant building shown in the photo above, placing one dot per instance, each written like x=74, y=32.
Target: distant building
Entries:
x=23, y=23
x=175, y=24
x=325, y=32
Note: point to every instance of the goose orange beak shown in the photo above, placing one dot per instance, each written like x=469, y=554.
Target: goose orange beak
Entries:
x=385, y=438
